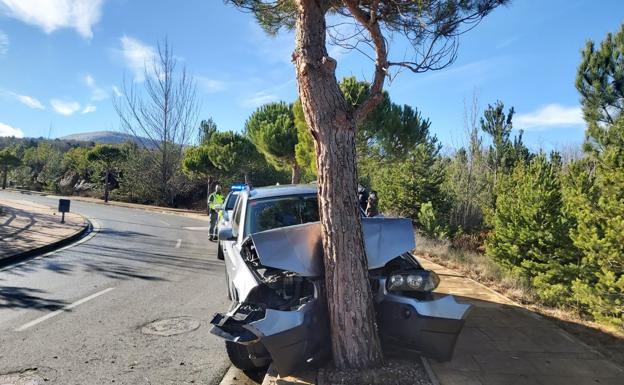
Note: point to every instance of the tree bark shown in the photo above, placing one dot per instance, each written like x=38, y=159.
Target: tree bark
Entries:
x=5, y=171
x=106, y=186
x=296, y=174
x=355, y=343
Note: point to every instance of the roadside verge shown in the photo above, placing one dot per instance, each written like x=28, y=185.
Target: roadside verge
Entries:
x=158, y=209
x=28, y=229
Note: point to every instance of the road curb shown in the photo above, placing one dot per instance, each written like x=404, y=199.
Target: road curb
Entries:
x=32, y=253
x=235, y=376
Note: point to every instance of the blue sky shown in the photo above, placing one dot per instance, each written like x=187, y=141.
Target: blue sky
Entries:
x=61, y=61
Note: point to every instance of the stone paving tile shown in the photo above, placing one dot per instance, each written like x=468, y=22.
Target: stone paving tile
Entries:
x=463, y=363
x=558, y=380
x=506, y=379
x=576, y=367
x=503, y=363
x=455, y=377
x=503, y=343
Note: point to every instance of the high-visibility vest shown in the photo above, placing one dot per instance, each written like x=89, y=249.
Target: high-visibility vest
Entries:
x=215, y=199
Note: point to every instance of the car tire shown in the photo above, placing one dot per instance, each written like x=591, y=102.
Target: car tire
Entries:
x=220, y=252
x=239, y=356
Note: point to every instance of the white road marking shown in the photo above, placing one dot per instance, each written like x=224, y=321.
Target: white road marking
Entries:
x=566, y=336
x=64, y=309
x=198, y=228
x=178, y=244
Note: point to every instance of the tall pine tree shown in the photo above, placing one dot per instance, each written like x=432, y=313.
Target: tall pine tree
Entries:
x=531, y=229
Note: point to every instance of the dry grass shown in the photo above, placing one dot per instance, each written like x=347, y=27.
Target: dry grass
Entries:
x=607, y=340
x=476, y=266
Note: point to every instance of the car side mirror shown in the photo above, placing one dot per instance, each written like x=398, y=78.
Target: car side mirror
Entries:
x=225, y=234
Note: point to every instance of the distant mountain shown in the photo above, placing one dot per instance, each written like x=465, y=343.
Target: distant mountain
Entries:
x=107, y=137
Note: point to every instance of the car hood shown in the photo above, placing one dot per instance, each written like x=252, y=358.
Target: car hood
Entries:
x=299, y=248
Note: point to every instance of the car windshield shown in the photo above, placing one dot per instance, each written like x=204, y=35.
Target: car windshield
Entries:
x=272, y=213
x=231, y=201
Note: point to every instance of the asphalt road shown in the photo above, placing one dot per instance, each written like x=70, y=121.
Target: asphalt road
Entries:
x=78, y=316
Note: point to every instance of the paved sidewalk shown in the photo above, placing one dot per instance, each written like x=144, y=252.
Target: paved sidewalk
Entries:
x=503, y=343
x=26, y=226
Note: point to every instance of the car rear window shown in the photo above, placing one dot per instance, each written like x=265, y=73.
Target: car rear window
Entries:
x=231, y=201
x=273, y=213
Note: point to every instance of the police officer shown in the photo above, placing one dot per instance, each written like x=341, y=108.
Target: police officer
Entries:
x=214, y=199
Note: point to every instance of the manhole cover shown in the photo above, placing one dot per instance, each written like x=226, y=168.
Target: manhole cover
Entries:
x=169, y=327
x=21, y=378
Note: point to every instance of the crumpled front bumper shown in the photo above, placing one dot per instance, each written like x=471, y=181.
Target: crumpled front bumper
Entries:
x=291, y=338
x=298, y=337
x=429, y=328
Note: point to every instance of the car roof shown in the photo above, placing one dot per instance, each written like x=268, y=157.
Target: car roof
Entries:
x=282, y=190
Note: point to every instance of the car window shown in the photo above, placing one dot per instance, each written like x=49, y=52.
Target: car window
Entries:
x=272, y=213
x=238, y=208
x=231, y=201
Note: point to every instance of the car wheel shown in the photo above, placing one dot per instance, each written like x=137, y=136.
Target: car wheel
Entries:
x=220, y=252
x=239, y=356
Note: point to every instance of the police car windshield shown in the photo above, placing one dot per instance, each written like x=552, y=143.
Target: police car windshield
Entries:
x=231, y=201
x=273, y=213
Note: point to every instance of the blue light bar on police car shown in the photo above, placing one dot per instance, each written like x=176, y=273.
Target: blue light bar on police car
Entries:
x=238, y=187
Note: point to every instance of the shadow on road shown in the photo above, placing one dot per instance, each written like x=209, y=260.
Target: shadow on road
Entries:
x=12, y=297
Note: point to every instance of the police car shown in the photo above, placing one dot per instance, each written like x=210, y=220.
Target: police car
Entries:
x=227, y=208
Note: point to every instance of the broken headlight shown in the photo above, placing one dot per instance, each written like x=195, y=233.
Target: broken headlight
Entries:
x=419, y=280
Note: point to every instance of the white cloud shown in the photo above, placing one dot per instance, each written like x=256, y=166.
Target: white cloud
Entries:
x=117, y=91
x=97, y=93
x=6, y=130
x=89, y=81
x=274, y=49
x=89, y=108
x=551, y=115
x=209, y=85
x=4, y=43
x=64, y=107
x=137, y=56
x=260, y=98
x=50, y=15
x=29, y=101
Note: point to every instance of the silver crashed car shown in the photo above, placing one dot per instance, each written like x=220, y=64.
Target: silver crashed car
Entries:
x=274, y=274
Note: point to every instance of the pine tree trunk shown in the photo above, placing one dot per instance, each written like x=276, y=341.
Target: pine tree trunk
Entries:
x=355, y=343
x=106, y=186
x=296, y=174
x=5, y=171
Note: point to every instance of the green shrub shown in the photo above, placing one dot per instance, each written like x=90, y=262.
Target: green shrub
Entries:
x=531, y=230
x=430, y=224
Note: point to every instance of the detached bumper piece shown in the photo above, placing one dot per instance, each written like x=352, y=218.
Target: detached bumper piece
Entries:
x=292, y=338
x=430, y=328
x=230, y=326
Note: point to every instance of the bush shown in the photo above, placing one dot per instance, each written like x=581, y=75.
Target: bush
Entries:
x=596, y=197
x=429, y=223
x=531, y=230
